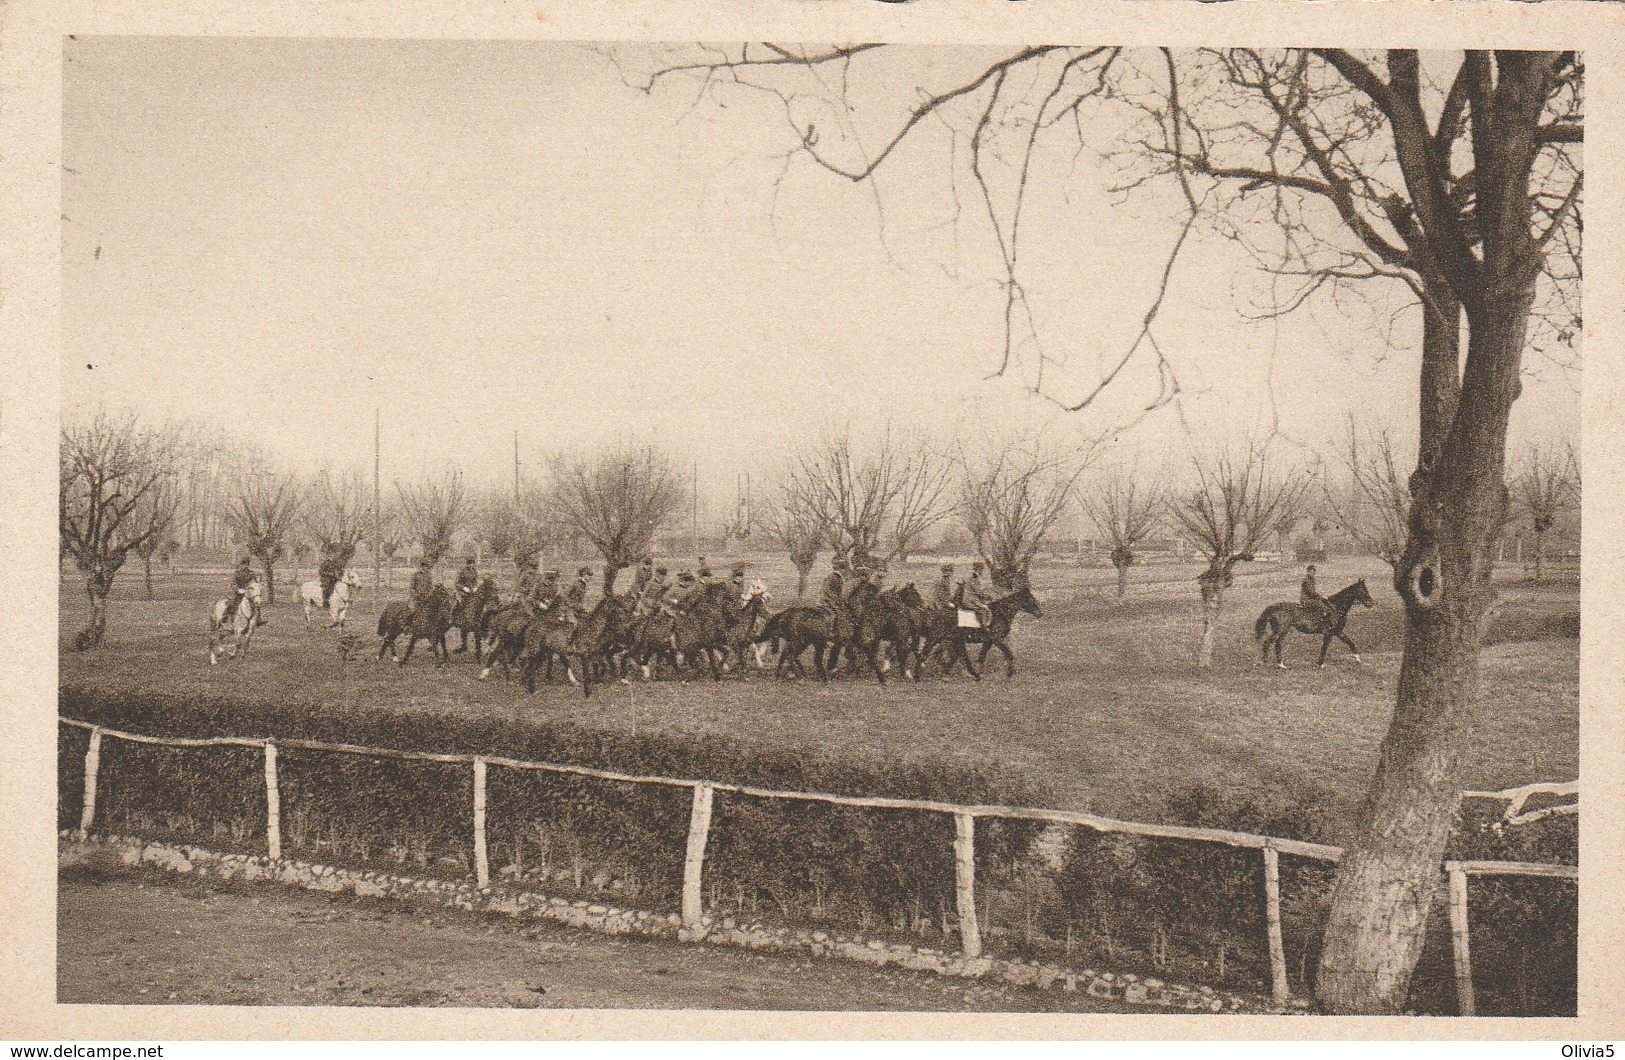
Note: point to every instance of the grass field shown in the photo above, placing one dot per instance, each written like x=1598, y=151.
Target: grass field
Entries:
x=1107, y=710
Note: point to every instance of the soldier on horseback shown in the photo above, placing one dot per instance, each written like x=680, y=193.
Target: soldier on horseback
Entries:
x=468, y=578
x=737, y=582
x=654, y=591
x=1310, y=602
x=942, y=594
x=242, y=578
x=546, y=600
x=330, y=571
x=422, y=583
x=640, y=582
x=682, y=595
x=973, y=596
x=576, y=595
x=835, y=585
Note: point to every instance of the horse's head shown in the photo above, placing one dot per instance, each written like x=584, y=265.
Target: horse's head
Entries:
x=755, y=591
x=352, y=579
x=909, y=596
x=253, y=593
x=1024, y=600
x=1364, y=595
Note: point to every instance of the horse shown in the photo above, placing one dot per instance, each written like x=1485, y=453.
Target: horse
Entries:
x=472, y=614
x=234, y=623
x=943, y=631
x=743, y=618
x=1278, y=620
x=505, y=625
x=591, y=637
x=703, y=628
x=430, y=620
x=338, y=602
x=795, y=629
x=887, y=618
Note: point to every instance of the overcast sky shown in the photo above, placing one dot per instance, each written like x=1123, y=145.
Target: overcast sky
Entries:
x=478, y=238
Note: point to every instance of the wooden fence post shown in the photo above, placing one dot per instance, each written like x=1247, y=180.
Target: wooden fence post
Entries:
x=273, y=805
x=970, y=935
x=1459, y=939
x=93, y=764
x=482, y=864
x=1279, y=989
x=699, y=830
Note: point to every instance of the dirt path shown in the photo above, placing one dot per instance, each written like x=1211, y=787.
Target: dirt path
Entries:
x=129, y=938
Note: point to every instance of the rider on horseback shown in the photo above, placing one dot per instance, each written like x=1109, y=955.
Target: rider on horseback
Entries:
x=654, y=591
x=1310, y=602
x=835, y=585
x=576, y=594
x=640, y=582
x=737, y=582
x=546, y=599
x=422, y=583
x=330, y=571
x=242, y=578
x=468, y=579
x=973, y=596
x=942, y=594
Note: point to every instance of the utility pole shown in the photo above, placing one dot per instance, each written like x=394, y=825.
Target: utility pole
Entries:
x=516, y=469
x=377, y=520
x=694, y=512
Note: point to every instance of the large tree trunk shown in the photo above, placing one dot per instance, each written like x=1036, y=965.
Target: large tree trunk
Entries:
x=270, y=580
x=97, y=588
x=1387, y=879
x=146, y=562
x=802, y=574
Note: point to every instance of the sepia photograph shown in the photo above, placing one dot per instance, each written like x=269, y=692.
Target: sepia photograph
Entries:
x=822, y=527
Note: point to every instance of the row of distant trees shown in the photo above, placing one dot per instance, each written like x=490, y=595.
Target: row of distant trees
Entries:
x=131, y=489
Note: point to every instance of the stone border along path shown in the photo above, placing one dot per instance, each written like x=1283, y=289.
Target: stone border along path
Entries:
x=1131, y=989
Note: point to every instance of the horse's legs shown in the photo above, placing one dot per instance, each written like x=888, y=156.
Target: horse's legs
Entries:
x=411, y=642
x=1325, y=642
x=1009, y=659
x=981, y=658
x=1354, y=652
x=874, y=661
x=711, y=657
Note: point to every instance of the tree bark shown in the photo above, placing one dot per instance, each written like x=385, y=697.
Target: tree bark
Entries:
x=96, y=588
x=1212, y=583
x=1122, y=580
x=1387, y=879
x=801, y=581
x=270, y=580
x=146, y=562
x=1540, y=552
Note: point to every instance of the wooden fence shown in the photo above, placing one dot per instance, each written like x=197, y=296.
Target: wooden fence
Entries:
x=964, y=817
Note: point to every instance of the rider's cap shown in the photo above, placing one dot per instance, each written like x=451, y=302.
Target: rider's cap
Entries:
x=947, y=568
x=583, y=571
x=468, y=559
x=976, y=566
x=648, y=561
x=660, y=570
x=739, y=569
x=243, y=562
x=685, y=577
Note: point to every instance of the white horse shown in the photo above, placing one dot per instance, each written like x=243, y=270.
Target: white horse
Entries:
x=234, y=624
x=338, y=603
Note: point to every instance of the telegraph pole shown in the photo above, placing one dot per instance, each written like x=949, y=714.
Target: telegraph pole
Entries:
x=694, y=512
x=377, y=521
x=516, y=469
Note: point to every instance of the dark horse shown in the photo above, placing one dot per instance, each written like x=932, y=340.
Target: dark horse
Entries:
x=1278, y=620
x=581, y=642
x=473, y=615
x=430, y=620
x=888, y=620
x=795, y=629
x=944, y=634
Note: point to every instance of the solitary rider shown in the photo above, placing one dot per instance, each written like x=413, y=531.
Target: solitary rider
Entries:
x=1309, y=599
x=330, y=572
x=243, y=577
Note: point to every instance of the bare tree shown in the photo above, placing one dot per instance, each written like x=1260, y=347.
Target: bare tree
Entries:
x=112, y=474
x=1374, y=508
x=263, y=509
x=1234, y=506
x=155, y=519
x=618, y=498
x=1546, y=484
x=1011, y=497
x=337, y=513
x=793, y=527
x=433, y=513
x=1459, y=177
x=1126, y=510
x=875, y=501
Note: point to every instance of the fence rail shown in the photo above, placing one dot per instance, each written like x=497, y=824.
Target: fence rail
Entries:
x=964, y=842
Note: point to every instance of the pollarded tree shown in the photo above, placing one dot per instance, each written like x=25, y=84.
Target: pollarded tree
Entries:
x=1011, y=497
x=618, y=498
x=111, y=471
x=337, y=514
x=875, y=499
x=1233, y=507
x=794, y=528
x=1456, y=174
x=263, y=509
x=1125, y=509
x=433, y=513
x=1546, y=485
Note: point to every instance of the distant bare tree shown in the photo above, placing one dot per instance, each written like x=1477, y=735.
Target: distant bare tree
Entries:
x=876, y=501
x=1011, y=497
x=154, y=520
x=263, y=509
x=618, y=499
x=524, y=529
x=433, y=510
x=793, y=527
x=337, y=513
x=1237, y=502
x=1375, y=512
x=1545, y=484
x=112, y=477
x=1125, y=509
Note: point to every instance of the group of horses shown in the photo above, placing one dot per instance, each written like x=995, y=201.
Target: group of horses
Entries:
x=720, y=629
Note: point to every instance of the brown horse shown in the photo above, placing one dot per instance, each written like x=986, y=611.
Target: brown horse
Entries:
x=430, y=620
x=1327, y=620
x=946, y=637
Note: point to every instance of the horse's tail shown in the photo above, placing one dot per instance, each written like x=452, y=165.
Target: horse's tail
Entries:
x=1266, y=619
